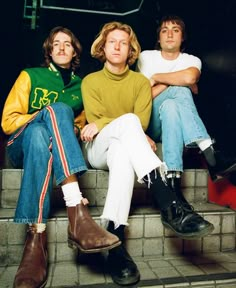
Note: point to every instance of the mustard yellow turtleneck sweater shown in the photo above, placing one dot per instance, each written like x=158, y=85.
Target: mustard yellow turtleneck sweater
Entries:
x=107, y=96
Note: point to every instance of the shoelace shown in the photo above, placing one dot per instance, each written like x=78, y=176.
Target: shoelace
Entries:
x=188, y=207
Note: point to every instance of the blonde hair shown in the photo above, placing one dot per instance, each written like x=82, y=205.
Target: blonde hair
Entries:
x=97, y=48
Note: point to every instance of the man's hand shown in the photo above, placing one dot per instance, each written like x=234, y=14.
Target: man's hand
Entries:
x=89, y=132
x=194, y=88
x=152, y=82
x=152, y=143
x=76, y=130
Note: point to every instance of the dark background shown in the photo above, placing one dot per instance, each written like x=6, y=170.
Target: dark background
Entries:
x=211, y=33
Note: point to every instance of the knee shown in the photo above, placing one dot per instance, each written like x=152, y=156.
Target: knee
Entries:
x=183, y=91
x=180, y=89
x=130, y=118
x=127, y=124
x=169, y=106
x=62, y=109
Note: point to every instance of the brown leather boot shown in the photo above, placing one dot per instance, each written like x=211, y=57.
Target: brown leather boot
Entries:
x=32, y=272
x=85, y=234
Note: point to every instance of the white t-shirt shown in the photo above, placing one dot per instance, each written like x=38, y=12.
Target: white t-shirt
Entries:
x=151, y=62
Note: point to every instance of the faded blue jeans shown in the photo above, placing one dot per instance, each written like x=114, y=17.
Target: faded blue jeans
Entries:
x=176, y=123
x=45, y=147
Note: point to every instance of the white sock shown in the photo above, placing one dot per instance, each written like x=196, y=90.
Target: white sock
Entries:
x=204, y=144
x=72, y=194
x=40, y=227
x=173, y=174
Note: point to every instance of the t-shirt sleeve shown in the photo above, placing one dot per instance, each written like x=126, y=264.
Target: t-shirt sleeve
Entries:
x=193, y=61
x=143, y=64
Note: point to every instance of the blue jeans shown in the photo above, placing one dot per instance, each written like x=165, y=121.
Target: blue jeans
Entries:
x=45, y=147
x=176, y=123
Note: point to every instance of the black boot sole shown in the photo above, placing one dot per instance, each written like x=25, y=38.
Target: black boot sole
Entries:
x=216, y=177
x=129, y=281
x=192, y=235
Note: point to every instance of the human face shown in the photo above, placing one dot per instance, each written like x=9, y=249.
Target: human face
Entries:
x=117, y=49
x=62, y=51
x=170, y=37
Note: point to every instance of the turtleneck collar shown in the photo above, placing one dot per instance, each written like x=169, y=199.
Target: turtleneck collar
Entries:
x=65, y=72
x=115, y=76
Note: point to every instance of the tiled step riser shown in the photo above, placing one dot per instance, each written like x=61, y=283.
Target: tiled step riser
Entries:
x=145, y=236
x=94, y=186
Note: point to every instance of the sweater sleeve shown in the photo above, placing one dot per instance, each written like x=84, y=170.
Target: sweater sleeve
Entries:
x=143, y=104
x=94, y=109
x=15, y=111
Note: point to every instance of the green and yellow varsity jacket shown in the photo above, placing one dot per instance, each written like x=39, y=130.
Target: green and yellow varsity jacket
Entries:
x=36, y=88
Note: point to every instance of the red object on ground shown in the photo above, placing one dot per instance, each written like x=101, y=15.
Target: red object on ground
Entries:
x=222, y=193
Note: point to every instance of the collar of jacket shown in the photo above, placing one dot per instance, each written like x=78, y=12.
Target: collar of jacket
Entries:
x=51, y=67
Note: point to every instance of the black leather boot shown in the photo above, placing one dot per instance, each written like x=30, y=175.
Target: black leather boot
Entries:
x=122, y=268
x=219, y=166
x=185, y=223
x=175, y=184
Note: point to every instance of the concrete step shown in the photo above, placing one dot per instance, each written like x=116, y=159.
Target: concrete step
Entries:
x=213, y=270
x=164, y=260
x=145, y=234
x=94, y=186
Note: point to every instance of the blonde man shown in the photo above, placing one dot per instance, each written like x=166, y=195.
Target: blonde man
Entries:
x=117, y=104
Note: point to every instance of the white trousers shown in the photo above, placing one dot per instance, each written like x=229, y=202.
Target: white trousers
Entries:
x=122, y=148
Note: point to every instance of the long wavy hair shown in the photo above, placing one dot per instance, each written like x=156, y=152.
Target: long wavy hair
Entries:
x=97, y=48
x=174, y=20
x=48, y=46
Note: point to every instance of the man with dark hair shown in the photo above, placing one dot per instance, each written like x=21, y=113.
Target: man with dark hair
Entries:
x=174, y=120
x=43, y=114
